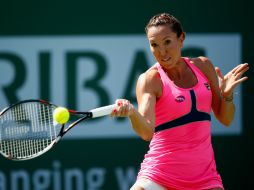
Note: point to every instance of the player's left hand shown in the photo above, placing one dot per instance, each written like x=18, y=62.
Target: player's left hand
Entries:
x=233, y=78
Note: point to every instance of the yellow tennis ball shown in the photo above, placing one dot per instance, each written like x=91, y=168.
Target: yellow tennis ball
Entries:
x=61, y=115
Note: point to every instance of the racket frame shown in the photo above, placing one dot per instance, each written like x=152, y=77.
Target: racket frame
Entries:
x=97, y=112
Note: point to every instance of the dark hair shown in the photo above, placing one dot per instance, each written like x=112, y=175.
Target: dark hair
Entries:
x=165, y=19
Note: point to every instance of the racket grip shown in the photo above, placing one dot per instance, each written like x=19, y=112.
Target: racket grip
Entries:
x=102, y=111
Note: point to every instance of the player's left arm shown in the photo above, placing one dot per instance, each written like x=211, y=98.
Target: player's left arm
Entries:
x=222, y=89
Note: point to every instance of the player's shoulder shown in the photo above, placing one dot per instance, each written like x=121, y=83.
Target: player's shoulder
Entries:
x=150, y=78
x=203, y=63
x=150, y=75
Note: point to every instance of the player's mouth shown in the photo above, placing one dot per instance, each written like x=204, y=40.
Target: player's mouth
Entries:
x=166, y=59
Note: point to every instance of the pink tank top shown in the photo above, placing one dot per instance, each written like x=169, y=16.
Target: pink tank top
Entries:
x=180, y=154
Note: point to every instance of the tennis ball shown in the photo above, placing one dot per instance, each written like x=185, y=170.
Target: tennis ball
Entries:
x=61, y=115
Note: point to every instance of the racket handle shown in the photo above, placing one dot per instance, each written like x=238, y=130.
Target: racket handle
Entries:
x=102, y=111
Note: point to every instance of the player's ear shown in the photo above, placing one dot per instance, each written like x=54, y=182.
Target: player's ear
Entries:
x=182, y=38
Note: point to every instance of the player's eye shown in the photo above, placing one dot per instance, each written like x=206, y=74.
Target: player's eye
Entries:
x=167, y=42
x=154, y=45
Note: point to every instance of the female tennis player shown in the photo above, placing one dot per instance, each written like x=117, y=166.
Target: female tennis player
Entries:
x=175, y=99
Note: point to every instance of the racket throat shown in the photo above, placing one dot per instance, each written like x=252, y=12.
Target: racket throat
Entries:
x=57, y=139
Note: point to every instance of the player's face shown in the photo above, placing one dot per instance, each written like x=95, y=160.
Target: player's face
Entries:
x=165, y=45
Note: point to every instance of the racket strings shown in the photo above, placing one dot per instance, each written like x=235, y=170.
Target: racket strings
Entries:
x=27, y=129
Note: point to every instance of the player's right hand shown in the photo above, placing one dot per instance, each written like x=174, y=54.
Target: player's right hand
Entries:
x=123, y=109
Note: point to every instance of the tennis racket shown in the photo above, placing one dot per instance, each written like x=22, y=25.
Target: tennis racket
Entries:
x=28, y=130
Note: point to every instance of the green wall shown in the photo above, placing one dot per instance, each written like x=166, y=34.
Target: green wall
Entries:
x=234, y=154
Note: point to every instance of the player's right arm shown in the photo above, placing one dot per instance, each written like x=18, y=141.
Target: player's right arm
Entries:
x=148, y=89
